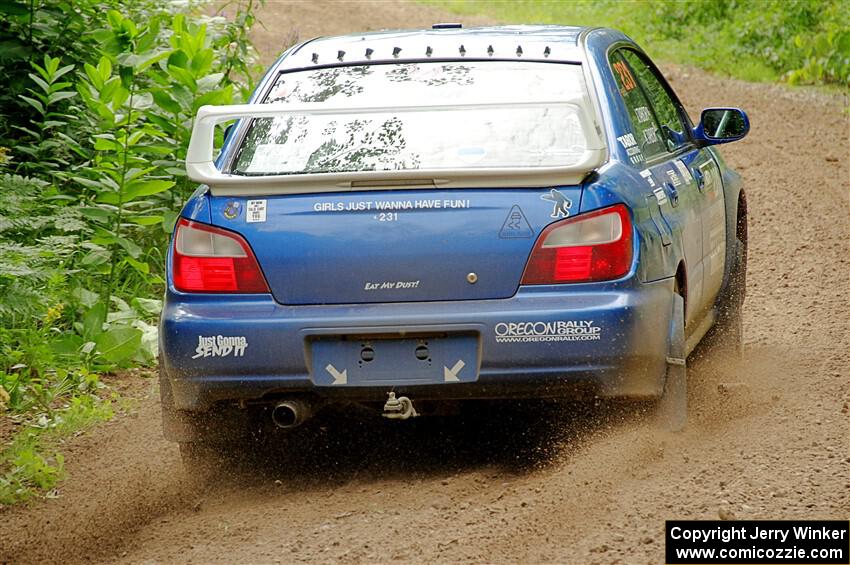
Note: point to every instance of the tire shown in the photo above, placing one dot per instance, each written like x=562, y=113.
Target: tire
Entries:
x=177, y=425
x=671, y=410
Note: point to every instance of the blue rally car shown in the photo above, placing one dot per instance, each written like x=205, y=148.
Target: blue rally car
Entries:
x=399, y=219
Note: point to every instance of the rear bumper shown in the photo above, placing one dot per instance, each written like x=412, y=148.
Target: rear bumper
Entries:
x=597, y=339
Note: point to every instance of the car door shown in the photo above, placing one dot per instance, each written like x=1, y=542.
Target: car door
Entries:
x=698, y=169
x=707, y=176
x=672, y=164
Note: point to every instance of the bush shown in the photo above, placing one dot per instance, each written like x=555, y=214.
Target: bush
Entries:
x=801, y=41
x=98, y=117
x=98, y=102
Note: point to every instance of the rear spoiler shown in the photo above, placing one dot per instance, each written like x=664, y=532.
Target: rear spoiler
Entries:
x=200, y=161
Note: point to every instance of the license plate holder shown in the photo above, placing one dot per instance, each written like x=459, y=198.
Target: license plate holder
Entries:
x=365, y=361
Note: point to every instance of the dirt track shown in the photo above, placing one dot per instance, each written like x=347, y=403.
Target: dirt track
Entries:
x=768, y=438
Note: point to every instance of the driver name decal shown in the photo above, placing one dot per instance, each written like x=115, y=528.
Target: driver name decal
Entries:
x=560, y=330
x=632, y=149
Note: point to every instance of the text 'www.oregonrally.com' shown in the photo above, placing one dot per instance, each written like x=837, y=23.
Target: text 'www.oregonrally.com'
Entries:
x=812, y=542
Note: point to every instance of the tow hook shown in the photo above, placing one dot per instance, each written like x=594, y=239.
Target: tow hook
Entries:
x=399, y=408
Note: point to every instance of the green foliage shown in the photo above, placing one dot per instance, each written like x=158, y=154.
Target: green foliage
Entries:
x=29, y=30
x=39, y=235
x=190, y=79
x=25, y=467
x=102, y=139
x=97, y=109
x=238, y=60
x=801, y=41
x=46, y=142
x=29, y=470
x=826, y=58
x=45, y=307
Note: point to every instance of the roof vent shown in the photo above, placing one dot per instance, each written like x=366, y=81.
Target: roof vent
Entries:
x=447, y=26
x=369, y=52
x=396, y=51
x=462, y=51
x=340, y=55
x=315, y=58
x=547, y=51
x=519, y=50
x=490, y=50
x=428, y=51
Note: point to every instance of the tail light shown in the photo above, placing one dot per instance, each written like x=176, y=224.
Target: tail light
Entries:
x=591, y=247
x=210, y=259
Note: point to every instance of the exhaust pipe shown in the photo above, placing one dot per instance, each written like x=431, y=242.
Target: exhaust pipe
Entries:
x=290, y=413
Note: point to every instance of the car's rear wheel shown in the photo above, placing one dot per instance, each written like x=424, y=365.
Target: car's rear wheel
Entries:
x=727, y=335
x=206, y=439
x=177, y=425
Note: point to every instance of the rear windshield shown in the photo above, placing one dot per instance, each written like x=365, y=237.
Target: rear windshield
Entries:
x=516, y=128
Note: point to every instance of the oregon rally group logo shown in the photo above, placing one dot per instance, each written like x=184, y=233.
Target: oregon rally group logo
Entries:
x=560, y=330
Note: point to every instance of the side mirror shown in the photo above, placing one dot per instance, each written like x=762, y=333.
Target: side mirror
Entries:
x=721, y=125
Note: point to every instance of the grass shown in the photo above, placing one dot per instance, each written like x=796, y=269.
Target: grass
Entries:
x=31, y=463
x=734, y=43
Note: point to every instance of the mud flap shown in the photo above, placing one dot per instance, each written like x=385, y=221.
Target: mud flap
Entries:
x=175, y=425
x=672, y=409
